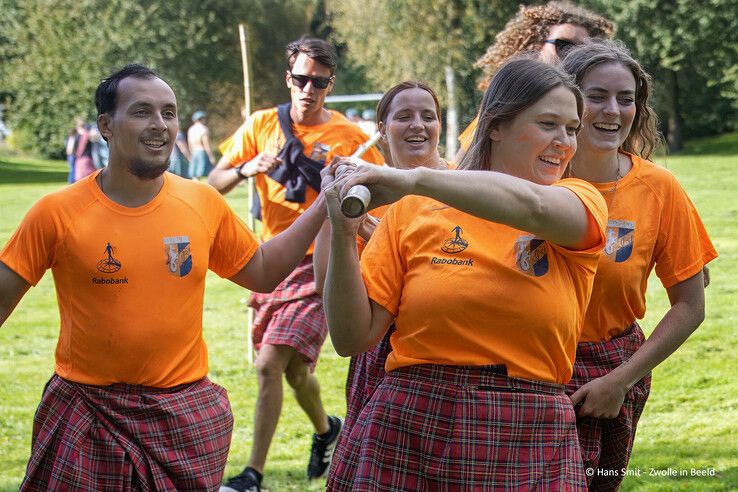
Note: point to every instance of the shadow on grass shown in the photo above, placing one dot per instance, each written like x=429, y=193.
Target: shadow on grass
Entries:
x=27, y=171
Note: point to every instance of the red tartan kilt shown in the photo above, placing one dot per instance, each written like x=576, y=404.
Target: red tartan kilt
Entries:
x=433, y=427
x=292, y=315
x=128, y=437
x=366, y=371
x=606, y=444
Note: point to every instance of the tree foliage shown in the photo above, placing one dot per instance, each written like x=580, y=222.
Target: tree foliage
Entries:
x=691, y=50
x=55, y=52
x=394, y=40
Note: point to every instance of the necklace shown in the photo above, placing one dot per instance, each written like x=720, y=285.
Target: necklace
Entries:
x=618, y=177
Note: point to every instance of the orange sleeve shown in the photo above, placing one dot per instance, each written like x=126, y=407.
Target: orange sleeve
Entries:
x=234, y=244
x=596, y=208
x=243, y=145
x=33, y=247
x=683, y=246
x=382, y=268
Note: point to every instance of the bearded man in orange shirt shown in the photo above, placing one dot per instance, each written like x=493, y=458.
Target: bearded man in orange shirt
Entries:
x=129, y=405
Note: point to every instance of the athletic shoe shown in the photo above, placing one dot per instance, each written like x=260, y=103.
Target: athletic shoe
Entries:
x=321, y=452
x=246, y=481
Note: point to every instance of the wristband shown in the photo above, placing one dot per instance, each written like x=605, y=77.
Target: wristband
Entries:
x=239, y=171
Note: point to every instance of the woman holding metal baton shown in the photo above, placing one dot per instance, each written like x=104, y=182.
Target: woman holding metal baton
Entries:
x=409, y=123
x=486, y=272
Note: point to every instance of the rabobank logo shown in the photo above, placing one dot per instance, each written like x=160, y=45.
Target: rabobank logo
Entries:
x=179, y=255
x=619, y=240
x=108, y=264
x=455, y=244
x=531, y=256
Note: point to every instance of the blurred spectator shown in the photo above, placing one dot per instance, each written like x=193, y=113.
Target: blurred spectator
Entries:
x=70, y=147
x=83, y=165
x=179, y=160
x=4, y=131
x=99, y=147
x=202, y=158
x=353, y=115
x=367, y=123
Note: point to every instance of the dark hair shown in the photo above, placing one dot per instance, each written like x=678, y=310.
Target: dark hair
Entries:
x=384, y=104
x=518, y=84
x=316, y=49
x=529, y=29
x=106, y=95
x=644, y=136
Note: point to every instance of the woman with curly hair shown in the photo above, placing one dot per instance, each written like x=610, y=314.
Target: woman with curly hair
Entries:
x=551, y=29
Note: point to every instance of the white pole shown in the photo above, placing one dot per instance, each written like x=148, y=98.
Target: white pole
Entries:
x=250, y=187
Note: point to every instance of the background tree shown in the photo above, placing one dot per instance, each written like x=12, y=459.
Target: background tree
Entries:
x=691, y=49
x=54, y=53
x=394, y=40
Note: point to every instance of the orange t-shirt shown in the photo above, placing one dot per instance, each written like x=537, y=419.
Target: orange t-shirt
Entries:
x=130, y=281
x=261, y=132
x=466, y=291
x=651, y=222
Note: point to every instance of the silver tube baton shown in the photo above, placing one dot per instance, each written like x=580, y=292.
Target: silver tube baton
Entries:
x=356, y=201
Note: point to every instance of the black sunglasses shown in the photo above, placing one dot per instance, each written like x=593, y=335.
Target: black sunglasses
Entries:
x=563, y=46
x=318, y=82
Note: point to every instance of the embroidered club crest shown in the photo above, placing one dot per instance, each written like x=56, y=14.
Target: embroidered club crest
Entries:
x=619, y=240
x=179, y=255
x=531, y=256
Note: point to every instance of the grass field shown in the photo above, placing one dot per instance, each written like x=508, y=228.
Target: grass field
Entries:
x=690, y=424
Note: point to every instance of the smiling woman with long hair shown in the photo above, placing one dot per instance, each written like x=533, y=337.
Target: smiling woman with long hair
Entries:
x=474, y=391
x=651, y=223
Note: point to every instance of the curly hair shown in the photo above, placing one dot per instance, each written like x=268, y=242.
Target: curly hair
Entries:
x=529, y=29
x=644, y=136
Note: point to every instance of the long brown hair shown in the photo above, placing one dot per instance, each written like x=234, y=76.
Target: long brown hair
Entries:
x=644, y=136
x=529, y=29
x=518, y=84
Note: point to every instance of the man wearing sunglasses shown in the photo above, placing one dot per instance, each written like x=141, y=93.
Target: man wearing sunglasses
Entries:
x=289, y=327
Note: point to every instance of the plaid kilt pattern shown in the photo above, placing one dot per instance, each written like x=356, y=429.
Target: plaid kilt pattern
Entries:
x=292, y=315
x=434, y=428
x=365, y=373
x=125, y=437
x=606, y=443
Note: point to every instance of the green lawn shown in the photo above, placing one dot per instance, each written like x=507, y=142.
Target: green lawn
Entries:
x=690, y=422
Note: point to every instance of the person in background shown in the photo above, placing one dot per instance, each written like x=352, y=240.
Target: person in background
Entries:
x=284, y=149
x=474, y=394
x=179, y=160
x=651, y=224
x=83, y=163
x=198, y=140
x=367, y=123
x=550, y=29
x=409, y=119
x=70, y=152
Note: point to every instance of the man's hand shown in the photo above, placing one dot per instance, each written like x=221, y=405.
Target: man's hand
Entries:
x=264, y=162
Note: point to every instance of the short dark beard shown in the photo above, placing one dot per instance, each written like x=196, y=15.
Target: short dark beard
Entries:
x=144, y=170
